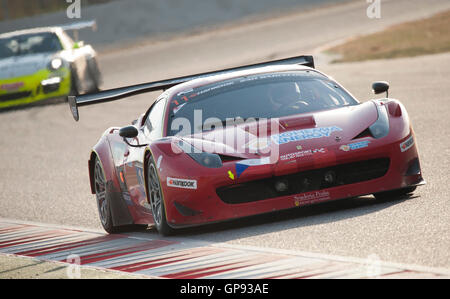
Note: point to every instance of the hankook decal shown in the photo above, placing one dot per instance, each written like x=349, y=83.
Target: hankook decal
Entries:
x=181, y=183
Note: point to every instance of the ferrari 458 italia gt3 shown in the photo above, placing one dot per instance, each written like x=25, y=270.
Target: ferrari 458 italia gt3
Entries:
x=245, y=141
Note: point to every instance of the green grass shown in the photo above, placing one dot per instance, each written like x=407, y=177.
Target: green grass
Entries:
x=426, y=36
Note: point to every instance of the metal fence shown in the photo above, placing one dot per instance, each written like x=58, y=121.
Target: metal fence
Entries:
x=13, y=9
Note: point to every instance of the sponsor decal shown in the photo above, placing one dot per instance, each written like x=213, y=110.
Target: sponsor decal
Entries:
x=230, y=175
x=185, y=92
x=176, y=108
x=311, y=197
x=255, y=162
x=241, y=166
x=11, y=86
x=304, y=153
x=354, y=146
x=407, y=144
x=181, y=183
x=258, y=144
x=304, y=134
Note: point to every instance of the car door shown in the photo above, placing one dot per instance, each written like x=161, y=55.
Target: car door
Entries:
x=150, y=130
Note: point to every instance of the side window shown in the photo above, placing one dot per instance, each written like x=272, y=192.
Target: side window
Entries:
x=154, y=123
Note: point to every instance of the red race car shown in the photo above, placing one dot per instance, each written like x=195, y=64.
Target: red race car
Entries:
x=245, y=141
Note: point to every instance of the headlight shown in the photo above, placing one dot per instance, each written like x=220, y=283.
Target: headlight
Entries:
x=205, y=159
x=381, y=127
x=55, y=64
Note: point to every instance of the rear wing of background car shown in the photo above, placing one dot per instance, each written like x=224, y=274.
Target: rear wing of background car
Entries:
x=123, y=92
x=75, y=27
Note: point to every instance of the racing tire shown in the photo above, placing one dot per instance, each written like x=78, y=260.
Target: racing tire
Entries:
x=74, y=83
x=156, y=200
x=394, y=194
x=102, y=198
x=94, y=74
x=103, y=205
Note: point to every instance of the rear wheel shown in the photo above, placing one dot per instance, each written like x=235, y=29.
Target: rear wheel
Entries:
x=74, y=83
x=101, y=194
x=104, y=206
x=394, y=194
x=94, y=74
x=156, y=200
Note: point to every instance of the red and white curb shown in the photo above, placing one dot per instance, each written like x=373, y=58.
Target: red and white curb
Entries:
x=181, y=258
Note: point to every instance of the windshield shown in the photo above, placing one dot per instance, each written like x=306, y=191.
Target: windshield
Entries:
x=273, y=95
x=25, y=44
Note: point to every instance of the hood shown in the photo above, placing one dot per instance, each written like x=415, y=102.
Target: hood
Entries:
x=289, y=134
x=17, y=66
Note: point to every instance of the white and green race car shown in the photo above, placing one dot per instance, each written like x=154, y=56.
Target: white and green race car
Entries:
x=43, y=63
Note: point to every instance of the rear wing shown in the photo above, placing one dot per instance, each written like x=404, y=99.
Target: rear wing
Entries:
x=123, y=92
x=75, y=27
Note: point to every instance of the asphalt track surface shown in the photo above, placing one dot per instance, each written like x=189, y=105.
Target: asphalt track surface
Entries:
x=130, y=21
x=43, y=152
x=142, y=255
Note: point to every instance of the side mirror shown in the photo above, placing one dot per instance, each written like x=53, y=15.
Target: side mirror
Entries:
x=128, y=132
x=380, y=87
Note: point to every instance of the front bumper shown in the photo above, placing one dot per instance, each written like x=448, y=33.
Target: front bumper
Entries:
x=41, y=85
x=204, y=205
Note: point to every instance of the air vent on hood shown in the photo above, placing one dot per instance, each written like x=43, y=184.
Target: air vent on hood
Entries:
x=296, y=122
x=363, y=134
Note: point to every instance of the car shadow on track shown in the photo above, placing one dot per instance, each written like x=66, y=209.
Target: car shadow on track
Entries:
x=288, y=219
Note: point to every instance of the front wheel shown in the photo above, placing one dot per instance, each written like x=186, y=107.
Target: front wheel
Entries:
x=155, y=197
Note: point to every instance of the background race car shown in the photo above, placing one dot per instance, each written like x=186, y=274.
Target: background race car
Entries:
x=43, y=63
